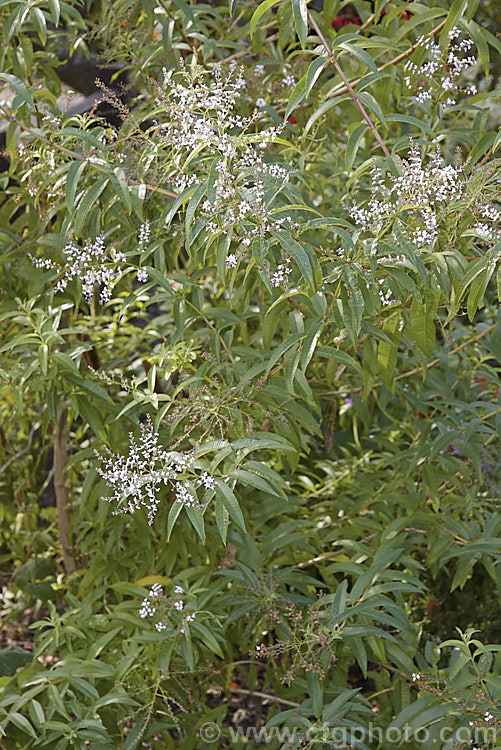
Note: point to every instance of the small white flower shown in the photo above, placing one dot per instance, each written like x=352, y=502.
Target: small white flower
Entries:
x=160, y=626
x=156, y=590
x=289, y=81
x=231, y=260
x=178, y=606
x=142, y=275
x=208, y=481
x=258, y=70
x=178, y=590
x=190, y=618
x=416, y=676
x=260, y=102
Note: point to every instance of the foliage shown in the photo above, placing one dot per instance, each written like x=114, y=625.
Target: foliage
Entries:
x=252, y=292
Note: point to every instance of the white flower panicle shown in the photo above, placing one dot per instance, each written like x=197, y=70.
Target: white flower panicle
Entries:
x=92, y=264
x=442, y=71
x=144, y=234
x=137, y=477
x=281, y=275
x=420, y=190
x=158, y=603
x=201, y=112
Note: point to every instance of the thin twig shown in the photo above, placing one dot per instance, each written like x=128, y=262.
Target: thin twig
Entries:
x=331, y=555
x=258, y=694
x=417, y=370
x=349, y=87
x=20, y=453
x=75, y=155
x=393, y=61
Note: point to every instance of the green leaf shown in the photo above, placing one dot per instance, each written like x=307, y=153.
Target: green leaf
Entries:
x=336, y=355
x=87, y=201
x=19, y=88
x=388, y=352
x=305, y=259
x=74, y=174
x=222, y=519
x=478, y=36
x=55, y=11
x=360, y=54
x=119, y=181
x=300, y=12
x=13, y=658
x=477, y=291
x=196, y=517
x=455, y=12
x=248, y=478
x=259, y=12
x=22, y=723
x=230, y=502
x=353, y=146
x=185, y=10
x=284, y=346
x=40, y=24
x=422, y=315
x=305, y=84
x=193, y=204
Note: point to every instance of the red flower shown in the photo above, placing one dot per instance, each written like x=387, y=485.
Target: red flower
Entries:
x=338, y=22
x=479, y=380
x=433, y=606
x=292, y=120
x=405, y=14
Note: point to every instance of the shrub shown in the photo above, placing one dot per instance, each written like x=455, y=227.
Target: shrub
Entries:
x=249, y=398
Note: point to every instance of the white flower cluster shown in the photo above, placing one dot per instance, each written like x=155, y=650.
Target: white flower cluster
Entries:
x=151, y=605
x=488, y=232
x=441, y=72
x=137, y=477
x=386, y=297
x=289, y=81
x=144, y=234
x=420, y=190
x=281, y=275
x=201, y=113
x=90, y=264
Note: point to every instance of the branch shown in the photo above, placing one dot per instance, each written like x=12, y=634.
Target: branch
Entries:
x=258, y=694
x=348, y=86
x=61, y=490
x=20, y=453
x=417, y=370
x=393, y=61
x=75, y=155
